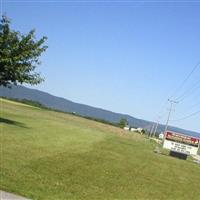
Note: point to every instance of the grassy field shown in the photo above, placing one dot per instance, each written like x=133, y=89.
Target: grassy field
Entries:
x=50, y=155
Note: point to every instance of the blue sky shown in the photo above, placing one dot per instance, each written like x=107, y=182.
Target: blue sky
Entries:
x=127, y=56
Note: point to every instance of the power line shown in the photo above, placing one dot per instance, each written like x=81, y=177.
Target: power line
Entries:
x=194, y=105
x=186, y=79
x=180, y=87
x=189, y=91
x=186, y=117
x=190, y=108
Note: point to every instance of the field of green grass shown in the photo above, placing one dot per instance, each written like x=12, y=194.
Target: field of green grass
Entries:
x=51, y=155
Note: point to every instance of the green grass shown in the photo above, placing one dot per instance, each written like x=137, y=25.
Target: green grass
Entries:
x=51, y=155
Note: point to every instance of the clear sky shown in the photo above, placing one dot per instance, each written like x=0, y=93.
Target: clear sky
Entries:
x=124, y=56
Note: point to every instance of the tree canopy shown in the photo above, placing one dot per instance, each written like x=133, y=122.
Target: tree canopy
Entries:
x=19, y=55
x=123, y=122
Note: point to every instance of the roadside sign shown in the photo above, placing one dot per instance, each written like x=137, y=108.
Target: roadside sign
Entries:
x=181, y=143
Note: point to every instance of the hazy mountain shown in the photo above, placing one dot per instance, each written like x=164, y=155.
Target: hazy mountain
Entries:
x=21, y=92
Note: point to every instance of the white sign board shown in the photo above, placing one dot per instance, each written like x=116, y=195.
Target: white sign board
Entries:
x=181, y=143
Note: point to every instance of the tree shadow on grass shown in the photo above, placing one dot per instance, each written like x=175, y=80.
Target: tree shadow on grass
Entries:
x=12, y=122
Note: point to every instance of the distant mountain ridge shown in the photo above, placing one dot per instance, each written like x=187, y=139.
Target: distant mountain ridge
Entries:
x=58, y=103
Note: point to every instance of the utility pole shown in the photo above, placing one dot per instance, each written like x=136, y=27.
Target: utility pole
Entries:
x=157, y=124
x=172, y=102
x=156, y=128
x=152, y=128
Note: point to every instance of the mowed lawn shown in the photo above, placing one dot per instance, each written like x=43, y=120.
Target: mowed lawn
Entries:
x=51, y=155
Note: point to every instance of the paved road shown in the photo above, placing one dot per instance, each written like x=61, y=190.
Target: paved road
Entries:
x=196, y=158
x=9, y=196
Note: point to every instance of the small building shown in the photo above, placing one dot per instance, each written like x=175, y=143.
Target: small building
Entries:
x=161, y=136
x=126, y=128
x=133, y=129
x=140, y=130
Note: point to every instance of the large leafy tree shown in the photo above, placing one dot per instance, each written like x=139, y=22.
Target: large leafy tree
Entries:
x=19, y=55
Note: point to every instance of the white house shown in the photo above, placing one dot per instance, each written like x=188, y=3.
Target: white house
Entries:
x=140, y=130
x=126, y=128
x=133, y=129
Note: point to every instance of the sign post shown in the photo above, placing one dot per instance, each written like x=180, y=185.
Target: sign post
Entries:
x=181, y=144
